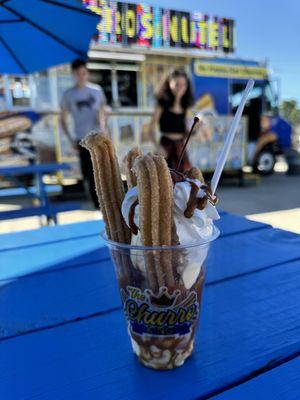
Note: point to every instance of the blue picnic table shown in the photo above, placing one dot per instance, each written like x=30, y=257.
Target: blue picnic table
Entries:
x=39, y=192
x=63, y=336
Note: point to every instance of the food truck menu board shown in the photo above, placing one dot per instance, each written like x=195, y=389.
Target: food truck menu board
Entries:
x=151, y=26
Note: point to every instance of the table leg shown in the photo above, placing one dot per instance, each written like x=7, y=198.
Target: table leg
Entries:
x=43, y=197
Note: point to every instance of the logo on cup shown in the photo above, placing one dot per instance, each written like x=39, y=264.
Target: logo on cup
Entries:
x=164, y=314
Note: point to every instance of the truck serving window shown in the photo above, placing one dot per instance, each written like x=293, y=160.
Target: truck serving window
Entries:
x=271, y=97
x=237, y=90
x=253, y=109
x=19, y=90
x=103, y=78
x=127, y=88
x=119, y=82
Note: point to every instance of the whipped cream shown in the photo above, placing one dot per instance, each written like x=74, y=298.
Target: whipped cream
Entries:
x=130, y=197
x=199, y=226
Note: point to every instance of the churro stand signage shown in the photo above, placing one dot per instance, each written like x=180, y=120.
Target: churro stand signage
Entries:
x=223, y=70
x=156, y=27
x=160, y=315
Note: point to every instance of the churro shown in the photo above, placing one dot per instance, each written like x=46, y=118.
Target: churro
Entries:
x=109, y=186
x=155, y=199
x=128, y=164
x=167, y=235
x=160, y=278
x=155, y=213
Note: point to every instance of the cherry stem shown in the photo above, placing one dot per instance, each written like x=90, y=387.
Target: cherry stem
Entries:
x=196, y=120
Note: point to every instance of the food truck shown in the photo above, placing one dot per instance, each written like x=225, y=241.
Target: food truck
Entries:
x=134, y=46
x=137, y=44
x=219, y=83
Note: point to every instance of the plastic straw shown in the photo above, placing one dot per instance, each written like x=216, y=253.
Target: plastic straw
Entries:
x=229, y=139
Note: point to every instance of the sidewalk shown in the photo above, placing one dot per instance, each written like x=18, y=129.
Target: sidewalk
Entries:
x=275, y=200
x=287, y=219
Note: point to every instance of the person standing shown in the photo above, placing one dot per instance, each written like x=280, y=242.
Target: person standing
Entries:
x=173, y=101
x=85, y=102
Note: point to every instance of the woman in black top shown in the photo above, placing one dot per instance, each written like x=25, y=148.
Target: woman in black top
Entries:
x=173, y=98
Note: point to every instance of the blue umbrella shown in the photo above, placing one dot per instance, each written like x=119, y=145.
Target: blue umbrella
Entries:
x=37, y=34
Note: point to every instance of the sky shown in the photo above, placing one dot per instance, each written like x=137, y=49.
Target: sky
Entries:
x=265, y=29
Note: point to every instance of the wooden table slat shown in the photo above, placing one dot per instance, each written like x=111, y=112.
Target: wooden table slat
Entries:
x=229, y=224
x=46, y=168
x=44, y=300
x=61, y=292
x=49, y=234
x=230, y=255
x=282, y=383
x=246, y=324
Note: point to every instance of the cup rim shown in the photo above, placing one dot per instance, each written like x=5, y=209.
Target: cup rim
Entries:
x=197, y=243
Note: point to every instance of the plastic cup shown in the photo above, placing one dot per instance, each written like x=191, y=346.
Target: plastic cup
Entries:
x=161, y=290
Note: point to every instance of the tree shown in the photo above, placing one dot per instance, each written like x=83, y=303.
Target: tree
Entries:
x=290, y=111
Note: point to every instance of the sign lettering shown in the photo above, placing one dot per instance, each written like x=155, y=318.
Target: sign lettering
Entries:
x=202, y=68
x=157, y=27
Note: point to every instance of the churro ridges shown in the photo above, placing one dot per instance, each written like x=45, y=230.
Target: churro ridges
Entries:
x=109, y=194
x=165, y=221
x=141, y=169
x=165, y=201
x=128, y=164
x=156, y=229
x=115, y=169
x=144, y=189
x=155, y=199
x=98, y=160
x=109, y=185
x=90, y=143
x=156, y=221
x=153, y=182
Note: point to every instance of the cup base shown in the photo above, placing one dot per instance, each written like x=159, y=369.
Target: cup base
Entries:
x=164, y=353
x=161, y=290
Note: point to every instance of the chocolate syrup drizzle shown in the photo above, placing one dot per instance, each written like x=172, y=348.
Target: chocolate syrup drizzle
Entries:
x=193, y=201
x=132, y=225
